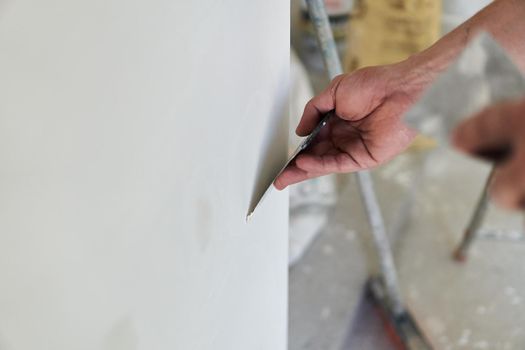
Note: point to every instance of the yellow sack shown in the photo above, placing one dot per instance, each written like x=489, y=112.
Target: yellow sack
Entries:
x=387, y=31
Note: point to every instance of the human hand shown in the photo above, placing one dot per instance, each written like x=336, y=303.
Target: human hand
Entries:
x=368, y=129
x=498, y=134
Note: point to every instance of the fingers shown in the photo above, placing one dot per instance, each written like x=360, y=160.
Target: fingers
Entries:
x=316, y=107
x=291, y=175
x=353, y=96
x=488, y=131
x=308, y=166
x=327, y=164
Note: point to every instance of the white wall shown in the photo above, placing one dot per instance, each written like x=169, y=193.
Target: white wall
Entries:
x=133, y=134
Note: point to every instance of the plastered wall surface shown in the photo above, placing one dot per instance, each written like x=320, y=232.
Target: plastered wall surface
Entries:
x=133, y=135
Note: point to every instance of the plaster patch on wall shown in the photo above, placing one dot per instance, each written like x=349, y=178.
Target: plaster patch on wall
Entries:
x=122, y=336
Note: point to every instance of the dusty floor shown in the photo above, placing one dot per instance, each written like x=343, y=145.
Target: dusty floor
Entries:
x=475, y=305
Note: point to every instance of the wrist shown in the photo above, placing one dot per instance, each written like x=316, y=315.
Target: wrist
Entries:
x=411, y=76
x=419, y=70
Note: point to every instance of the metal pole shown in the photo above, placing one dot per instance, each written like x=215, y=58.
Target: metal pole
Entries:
x=319, y=19
x=475, y=223
x=326, y=41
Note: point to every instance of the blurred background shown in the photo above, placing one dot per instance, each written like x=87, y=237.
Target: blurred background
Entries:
x=476, y=305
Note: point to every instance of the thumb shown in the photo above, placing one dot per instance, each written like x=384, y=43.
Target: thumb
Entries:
x=361, y=93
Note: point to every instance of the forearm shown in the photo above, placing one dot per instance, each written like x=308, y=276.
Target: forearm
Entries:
x=503, y=19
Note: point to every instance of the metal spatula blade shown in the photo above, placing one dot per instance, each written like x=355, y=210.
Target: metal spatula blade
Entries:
x=304, y=144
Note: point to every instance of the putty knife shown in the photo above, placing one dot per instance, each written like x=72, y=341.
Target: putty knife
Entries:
x=304, y=144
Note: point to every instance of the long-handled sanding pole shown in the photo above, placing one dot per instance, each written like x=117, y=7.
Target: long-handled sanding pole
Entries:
x=385, y=287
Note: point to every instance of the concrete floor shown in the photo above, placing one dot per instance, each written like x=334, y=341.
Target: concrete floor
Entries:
x=326, y=285
x=475, y=305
